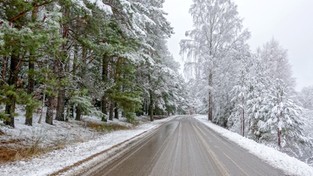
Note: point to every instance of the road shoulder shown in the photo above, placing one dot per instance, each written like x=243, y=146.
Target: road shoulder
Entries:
x=279, y=160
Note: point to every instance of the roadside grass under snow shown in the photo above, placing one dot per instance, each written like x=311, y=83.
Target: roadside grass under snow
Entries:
x=77, y=142
x=290, y=165
x=27, y=141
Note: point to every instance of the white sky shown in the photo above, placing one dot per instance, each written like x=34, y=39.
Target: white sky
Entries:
x=288, y=21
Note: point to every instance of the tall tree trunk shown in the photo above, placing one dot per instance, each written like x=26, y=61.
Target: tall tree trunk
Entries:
x=151, y=104
x=104, y=105
x=116, y=111
x=50, y=108
x=13, y=77
x=61, y=92
x=60, y=106
x=61, y=96
x=146, y=107
x=210, y=98
x=43, y=98
x=30, y=90
x=105, y=71
x=31, y=80
x=71, y=107
x=111, y=111
x=279, y=138
x=51, y=100
x=9, y=110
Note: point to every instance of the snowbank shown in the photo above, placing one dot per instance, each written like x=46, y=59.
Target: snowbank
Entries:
x=290, y=165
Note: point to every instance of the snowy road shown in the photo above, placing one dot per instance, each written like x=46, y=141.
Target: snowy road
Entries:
x=186, y=147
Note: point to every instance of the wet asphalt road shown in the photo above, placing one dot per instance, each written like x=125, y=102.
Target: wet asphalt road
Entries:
x=185, y=147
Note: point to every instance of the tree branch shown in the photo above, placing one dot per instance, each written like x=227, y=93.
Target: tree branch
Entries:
x=21, y=14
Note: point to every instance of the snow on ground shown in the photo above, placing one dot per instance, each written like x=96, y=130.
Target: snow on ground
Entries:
x=60, y=132
x=45, y=134
x=290, y=165
x=72, y=152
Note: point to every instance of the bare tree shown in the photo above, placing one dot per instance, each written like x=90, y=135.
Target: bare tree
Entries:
x=217, y=34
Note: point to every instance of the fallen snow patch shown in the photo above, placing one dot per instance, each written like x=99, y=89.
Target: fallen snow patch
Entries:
x=290, y=165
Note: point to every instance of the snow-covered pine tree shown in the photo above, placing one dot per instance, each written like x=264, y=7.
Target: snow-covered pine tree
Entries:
x=79, y=54
x=240, y=98
x=275, y=117
x=28, y=29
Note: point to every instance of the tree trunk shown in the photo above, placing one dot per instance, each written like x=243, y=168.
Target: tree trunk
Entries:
x=151, y=104
x=279, y=138
x=51, y=101
x=146, y=107
x=104, y=79
x=29, y=116
x=43, y=99
x=9, y=110
x=116, y=111
x=104, y=118
x=210, y=98
x=78, y=114
x=13, y=77
x=50, y=108
x=60, y=105
x=111, y=111
x=104, y=105
x=61, y=69
x=30, y=90
x=31, y=80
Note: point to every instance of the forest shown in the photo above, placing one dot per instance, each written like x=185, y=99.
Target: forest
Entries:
x=109, y=58
x=87, y=57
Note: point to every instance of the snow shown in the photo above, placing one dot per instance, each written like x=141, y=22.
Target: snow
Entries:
x=125, y=3
x=308, y=122
x=74, y=152
x=290, y=165
x=107, y=9
x=47, y=134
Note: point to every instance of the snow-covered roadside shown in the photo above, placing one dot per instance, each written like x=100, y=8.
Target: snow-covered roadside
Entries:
x=59, y=159
x=290, y=165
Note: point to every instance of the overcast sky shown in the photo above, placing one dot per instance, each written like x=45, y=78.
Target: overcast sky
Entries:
x=288, y=21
